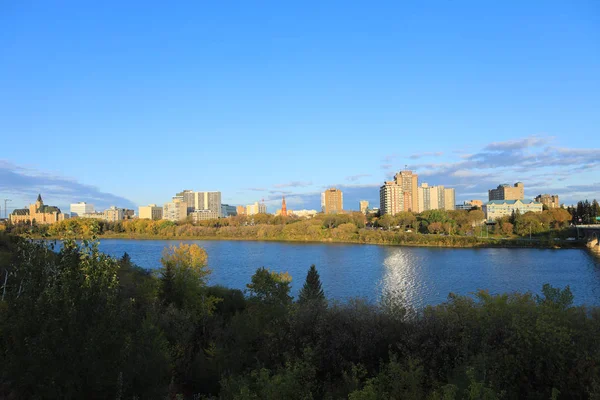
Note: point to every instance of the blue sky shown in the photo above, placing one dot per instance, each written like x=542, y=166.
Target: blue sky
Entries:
x=127, y=104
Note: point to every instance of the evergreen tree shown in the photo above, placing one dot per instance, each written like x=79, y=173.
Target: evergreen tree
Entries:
x=312, y=290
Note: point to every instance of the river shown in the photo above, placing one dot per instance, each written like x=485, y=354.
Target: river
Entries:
x=421, y=275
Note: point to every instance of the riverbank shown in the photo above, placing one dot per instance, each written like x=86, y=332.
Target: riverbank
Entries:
x=386, y=238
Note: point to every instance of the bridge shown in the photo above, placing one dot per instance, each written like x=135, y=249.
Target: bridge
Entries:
x=591, y=233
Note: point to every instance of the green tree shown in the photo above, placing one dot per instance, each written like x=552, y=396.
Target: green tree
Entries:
x=312, y=291
x=270, y=287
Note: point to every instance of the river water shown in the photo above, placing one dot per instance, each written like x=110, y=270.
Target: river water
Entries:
x=421, y=275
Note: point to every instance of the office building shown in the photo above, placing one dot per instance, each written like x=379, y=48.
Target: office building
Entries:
x=495, y=209
x=93, y=215
x=256, y=208
x=548, y=200
x=81, y=208
x=175, y=210
x=363, y=206
x=332, y=201
x=228, y=211
x=189, y=198
x=507, y=192
x=208, y=201
x=39, y=213
x=151, y=211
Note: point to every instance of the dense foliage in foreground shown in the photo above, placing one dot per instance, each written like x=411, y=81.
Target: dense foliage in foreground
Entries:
x=78, y=324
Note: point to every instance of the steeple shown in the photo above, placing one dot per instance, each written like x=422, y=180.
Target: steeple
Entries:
x=283, y=208
x=39, y=198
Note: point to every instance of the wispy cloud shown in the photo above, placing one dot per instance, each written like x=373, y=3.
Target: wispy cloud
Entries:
x=25, y=183
x=256, y=189
x=426, y=154
x=292, y=184
x=354, y=178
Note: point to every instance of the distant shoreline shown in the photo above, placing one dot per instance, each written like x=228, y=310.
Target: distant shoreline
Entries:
x=458, y=241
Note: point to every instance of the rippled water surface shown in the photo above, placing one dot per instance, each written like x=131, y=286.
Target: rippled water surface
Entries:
x=422, y=275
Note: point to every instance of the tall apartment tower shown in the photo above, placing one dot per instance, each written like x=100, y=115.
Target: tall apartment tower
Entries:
x=435, y=198
x=332, y=201
x=449, y=199
x=391, y=198
x=409, y=183
x=208, y=201
x=506, y=192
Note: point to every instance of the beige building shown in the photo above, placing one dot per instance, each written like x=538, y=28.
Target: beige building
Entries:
x=175, y=210
x=151, y=211
x=332, y=201
x=208, y=201
x=550, y=201
x=39, y=213
x=364, y=206
x=495, y=209
x=475, y=203
x=507, y=192
x=256, y=208
x=435, y=198
x=391, y=198
x=114, y=214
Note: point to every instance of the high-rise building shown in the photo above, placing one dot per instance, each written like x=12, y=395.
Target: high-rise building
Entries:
x=208, y=201
x=332, y=201
x=203, y=215
x=391, y=198
x=283, y=208
x=175, y=210
x=449, y=198
x=151, y=211
x=78, y=209
x=506, y=192
x=409, y=183
x=189, y=198
x=363, y=206
x=550, y=201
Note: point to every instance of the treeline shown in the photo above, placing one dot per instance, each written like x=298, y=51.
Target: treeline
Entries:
x=585, y=212
x=434, y=227
x=78, y=324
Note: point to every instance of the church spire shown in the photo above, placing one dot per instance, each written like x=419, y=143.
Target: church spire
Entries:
x=39, y=198
x=283, y=208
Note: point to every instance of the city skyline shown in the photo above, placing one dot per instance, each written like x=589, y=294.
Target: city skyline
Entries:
x=299, y=97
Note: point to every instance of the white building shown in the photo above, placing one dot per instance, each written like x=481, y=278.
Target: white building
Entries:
x=495, y=209
x=78, y=209
x=303, y=213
